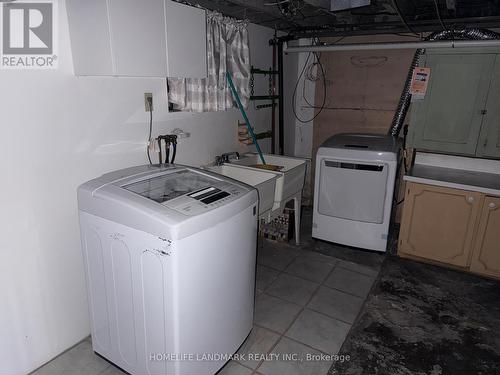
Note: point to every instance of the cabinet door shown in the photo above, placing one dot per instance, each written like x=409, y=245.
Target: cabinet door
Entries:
x=186, y=40
x=449, y=118
x=138, y=40
x=486, y=256
x=489, y=142
x=438, y=223
x=89, y=31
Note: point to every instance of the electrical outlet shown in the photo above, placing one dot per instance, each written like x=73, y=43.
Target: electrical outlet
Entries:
x=148, y=97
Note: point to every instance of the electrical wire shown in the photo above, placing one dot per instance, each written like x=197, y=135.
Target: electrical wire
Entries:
x=417, y=36
x=398, y=11
x=294, y=95
x=150, y=129
x=339, y=39
x=405, y=137
x=439, y=16
x=277, y=3
x=401, y=162
x=310, y=76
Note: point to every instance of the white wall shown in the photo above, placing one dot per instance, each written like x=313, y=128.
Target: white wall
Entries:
x=290, y=73
x=58, y=131
x=298, y=135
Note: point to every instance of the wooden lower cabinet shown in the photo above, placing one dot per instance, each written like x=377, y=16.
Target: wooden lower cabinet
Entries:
x=451, y=227
x=439, y=223
x=486, y=256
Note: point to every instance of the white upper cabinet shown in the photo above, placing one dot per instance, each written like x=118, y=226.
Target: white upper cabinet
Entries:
x=186, y=52
x=151, y=38
x=90, y=40
x=138, y=40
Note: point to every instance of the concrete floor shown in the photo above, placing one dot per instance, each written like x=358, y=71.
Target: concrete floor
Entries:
x=307, y=298
x=425, y=320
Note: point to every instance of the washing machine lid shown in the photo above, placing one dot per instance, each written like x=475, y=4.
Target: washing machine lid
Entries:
x=363, y=142
x=171, y=201
x=166, y=187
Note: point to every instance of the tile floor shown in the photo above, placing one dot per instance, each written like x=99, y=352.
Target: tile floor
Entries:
x=305, y=305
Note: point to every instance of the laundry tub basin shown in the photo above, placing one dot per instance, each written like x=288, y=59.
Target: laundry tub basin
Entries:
x=291, y=175
x=263, y=181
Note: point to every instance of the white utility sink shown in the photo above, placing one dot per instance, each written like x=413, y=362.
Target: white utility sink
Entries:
x=275, y=188
x=290, y=178
x=264, y=181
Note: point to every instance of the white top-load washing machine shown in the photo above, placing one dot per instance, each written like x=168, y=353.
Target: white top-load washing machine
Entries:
x=170, y=257
x=353, y=191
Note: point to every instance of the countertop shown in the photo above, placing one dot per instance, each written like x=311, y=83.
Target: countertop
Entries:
x=487, y=183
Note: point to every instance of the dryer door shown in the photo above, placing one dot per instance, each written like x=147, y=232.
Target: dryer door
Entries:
x=353, y=190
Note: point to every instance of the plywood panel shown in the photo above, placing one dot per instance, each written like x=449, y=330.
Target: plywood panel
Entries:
x=364, y=79
x=362, y=89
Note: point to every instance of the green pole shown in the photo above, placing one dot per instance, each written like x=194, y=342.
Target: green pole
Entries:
x=245, y=117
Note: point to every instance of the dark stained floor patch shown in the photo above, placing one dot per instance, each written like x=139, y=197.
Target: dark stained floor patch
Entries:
x=422, y=319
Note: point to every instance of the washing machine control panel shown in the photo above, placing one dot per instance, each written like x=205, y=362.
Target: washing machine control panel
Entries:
x=205, y=198
x=209, y=195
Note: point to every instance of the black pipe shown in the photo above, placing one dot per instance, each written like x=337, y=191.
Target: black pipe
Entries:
x=273, y=102
x=263, y=97
x=262, y=71
x=281, y=126
x=174, y=152
x=159, y=151
x=167, y=151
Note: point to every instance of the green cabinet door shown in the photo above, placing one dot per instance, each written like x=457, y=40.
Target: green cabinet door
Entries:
x=449, y=119
x=489, y=140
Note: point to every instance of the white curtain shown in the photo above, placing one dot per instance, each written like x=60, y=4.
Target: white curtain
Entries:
x=227, y=50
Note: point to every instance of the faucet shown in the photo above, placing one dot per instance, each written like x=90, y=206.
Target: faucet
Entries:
x=226, y=157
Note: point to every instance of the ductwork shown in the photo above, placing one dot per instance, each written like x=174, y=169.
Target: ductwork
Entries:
x=404, y=102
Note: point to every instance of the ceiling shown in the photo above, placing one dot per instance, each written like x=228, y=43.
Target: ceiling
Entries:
x=303, y=18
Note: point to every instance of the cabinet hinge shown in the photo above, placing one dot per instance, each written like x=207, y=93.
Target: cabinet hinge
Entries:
x=485, y=142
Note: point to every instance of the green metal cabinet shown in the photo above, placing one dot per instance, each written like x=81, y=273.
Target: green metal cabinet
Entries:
x=489, y=139
x=460, y=113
